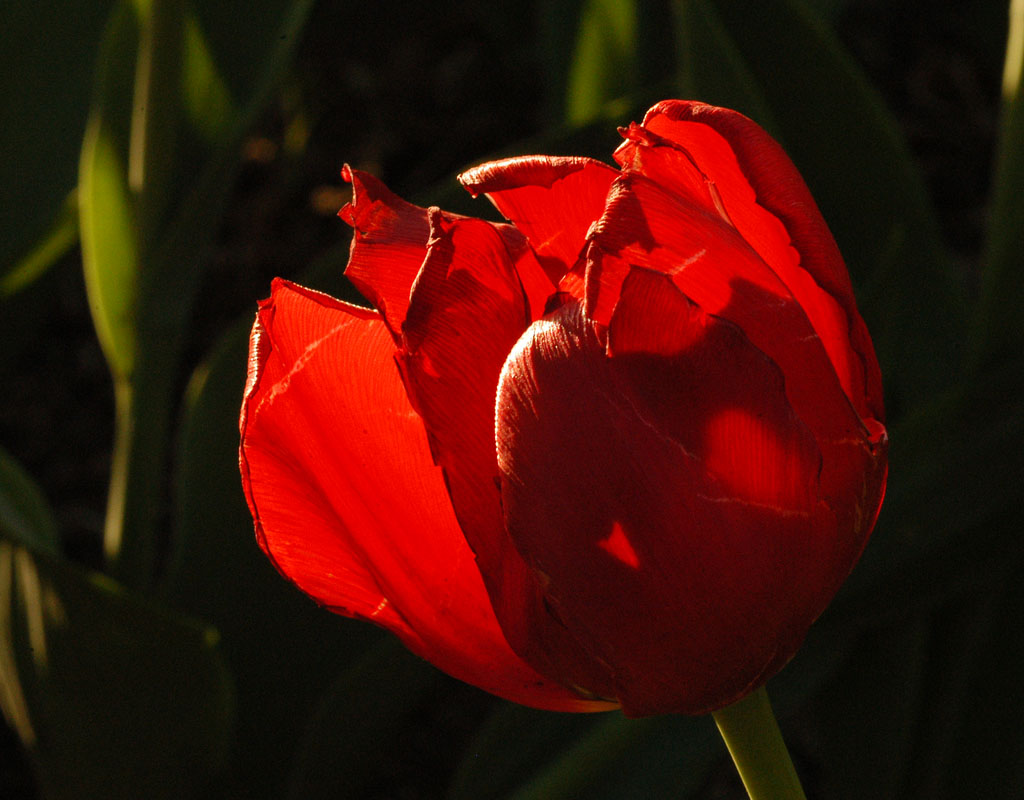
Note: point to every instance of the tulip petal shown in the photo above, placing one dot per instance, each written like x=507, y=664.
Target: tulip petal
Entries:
x=680, y=476
x=646, y=226
x=388, y=245
x=757, y=188
x=468, y=309
x=552, y=200
x=347, y=502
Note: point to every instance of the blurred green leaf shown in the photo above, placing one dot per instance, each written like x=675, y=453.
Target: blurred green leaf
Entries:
x=604, y=65
x=283, y=650
x=174, y=251
x=25, y=515
x=876, y=205
x=62, y=236
x=249, y=42
x=997, y=329
x=491, y=769
x=953, y=658
x=46, y=93
x=156, y=111
x=111, y=696
x=208, y=103
x=107, y=214
x=955, y=471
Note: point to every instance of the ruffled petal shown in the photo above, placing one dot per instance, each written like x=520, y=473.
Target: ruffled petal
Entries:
x=552, y=200
x=388, y=245
x=347, y=502
x=747, y=177
x=693, y=546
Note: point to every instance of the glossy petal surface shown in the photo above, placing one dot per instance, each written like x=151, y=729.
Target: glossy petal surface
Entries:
x=346, y=499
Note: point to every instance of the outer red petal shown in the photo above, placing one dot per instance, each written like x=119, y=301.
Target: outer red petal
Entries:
x=766, y=199
x=681, y=478
x=552, y=200
x=346, y=501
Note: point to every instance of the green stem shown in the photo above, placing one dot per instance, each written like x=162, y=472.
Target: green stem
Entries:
x=755, y=744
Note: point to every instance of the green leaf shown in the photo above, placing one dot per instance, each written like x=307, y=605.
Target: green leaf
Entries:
x=111, y=696
x=107, y=213
x=492, y=769
x=996, y=326
x=174, y=251
x=62, y=236
x=156, y=111
x=208, y=103
x=837, y=130
x=25, y=515
x=605, y=63
x=955, y=467
x=46, y=93
x=249, y=41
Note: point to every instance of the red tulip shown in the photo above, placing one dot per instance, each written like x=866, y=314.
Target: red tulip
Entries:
x=623, y=450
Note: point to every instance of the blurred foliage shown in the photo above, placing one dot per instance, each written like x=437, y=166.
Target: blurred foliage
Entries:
x=149, y=649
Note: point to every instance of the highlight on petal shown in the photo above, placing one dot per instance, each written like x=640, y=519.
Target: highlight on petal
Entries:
x=672, y=509
x=552, y=200
x=347, y=502
x=766, y=200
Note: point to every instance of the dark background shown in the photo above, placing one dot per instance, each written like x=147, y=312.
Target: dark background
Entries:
x=414, y=93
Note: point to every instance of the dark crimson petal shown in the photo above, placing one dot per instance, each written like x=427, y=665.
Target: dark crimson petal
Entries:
x=693, y=546
x=388, y=245
x=766, y=199
x=645, y=226
x=552, y=200
x=346, y=501
x=849, y=474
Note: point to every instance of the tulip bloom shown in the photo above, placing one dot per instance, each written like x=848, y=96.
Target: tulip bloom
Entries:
x=620, y=451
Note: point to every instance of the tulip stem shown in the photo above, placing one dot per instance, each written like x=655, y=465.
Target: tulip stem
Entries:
x=756, y=746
